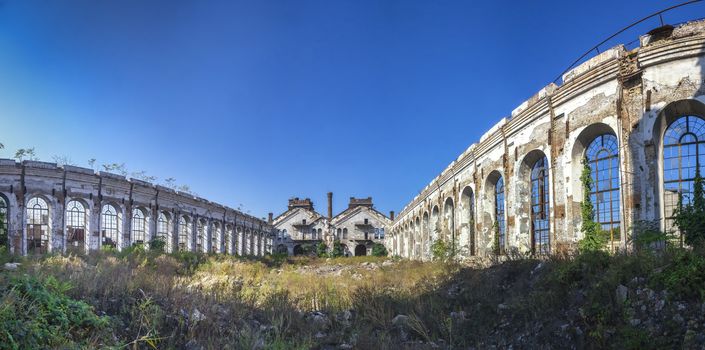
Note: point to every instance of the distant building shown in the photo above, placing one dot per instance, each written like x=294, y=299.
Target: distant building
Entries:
x=300, y=228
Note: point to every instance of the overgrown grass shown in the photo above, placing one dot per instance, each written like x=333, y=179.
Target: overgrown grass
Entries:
x=151, y=300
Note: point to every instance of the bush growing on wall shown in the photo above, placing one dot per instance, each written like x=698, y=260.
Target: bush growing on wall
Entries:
x=338, y=250
x=690, y=218
x=440, y=250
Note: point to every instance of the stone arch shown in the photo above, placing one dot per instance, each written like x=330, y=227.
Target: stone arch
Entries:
x=184, y=234
x=165, y=230
x=425, y=233
x=360, y=250
x=671, y=113
x=418, y=238
x=435, y=223
x=597, y=139
x=449, y=221
x=298, y=250
x=5, y=213
x=229, y=239
x=111, y=222
x=201, y=235
x=466, y=207
x=77, y=225
x=495, y=216
x=38, y=224
x=216, y=238
x=139, y=225
x=532, y=203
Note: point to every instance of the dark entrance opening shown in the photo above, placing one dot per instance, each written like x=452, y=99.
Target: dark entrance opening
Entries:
x=281, y=249
x=298, y=250
x=360, y=250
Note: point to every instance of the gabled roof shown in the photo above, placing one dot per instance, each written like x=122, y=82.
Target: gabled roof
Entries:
x=350, y=212
x=292, y=212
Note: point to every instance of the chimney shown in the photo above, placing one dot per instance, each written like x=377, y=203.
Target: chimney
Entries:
x=391, y=215
x=330, y=205
x=270, y=218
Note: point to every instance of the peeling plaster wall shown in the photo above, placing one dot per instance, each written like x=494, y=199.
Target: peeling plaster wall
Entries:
x=59, y=185
x=630, y=94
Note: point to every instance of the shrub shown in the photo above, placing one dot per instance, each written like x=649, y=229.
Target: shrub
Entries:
x=157, y=245
x=338, y=250
x=378, y=249
x=440, y=249
x=322, y=250
x=37, y=314
x=685, y=275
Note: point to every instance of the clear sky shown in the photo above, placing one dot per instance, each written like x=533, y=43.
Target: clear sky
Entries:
x=254, y=102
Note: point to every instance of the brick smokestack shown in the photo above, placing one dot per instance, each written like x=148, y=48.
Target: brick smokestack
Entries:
x=270, y=218
x=330, y=205
x=391, y=215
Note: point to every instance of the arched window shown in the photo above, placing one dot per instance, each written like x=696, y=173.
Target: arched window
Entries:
x=539, y=208
x=76, y=219
x=139, y=226
x=37, y=225
x=200, y=235
x=345, y=233
x=4, y=217
x=320, y=234
x=229, y=239
x=500, y=228
x=111, y=225
x=467, y=203
x=164, y=230
x=683, y=152
x=184, y=233
x=340, y=232
x=215, y=238
x=603, y=158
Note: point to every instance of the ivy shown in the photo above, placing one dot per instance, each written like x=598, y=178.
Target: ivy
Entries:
x=594, y=237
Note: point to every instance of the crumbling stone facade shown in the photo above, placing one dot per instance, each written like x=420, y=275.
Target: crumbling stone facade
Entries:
x=358, y=227
x=613, y=110
x=48, y=208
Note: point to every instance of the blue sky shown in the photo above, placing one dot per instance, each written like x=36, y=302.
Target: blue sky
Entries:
x=253, y=102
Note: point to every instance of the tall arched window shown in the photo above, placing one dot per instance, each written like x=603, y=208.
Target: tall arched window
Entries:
x=200, y=235
x=76, y=219
x=37, y=225
x=540, y=232
x=683, y=153
x=111, y=225
x=320, y=234
x=215, y=238
x=4, y=217
x=345, y=233
x=500, y=229
x=340, y=233
x=229, y=240
x=164, y=230
x=184, y=233
x=139, y=226
x=467, y=216
x=603, y=158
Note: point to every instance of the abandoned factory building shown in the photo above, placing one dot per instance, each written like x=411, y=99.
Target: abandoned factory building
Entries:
x=358, y=227
x=634, y=117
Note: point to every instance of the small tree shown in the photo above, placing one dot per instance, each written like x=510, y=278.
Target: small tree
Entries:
x=593, y=236
x=440, y=250
x=690, y=218
x=378, y=249
x=338, y=250
x=322, y=250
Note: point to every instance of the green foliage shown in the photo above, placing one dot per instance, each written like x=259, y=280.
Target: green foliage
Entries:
x=684, y=276
x=321, y=250
x=594, y=238
x=690, y=218
x=647, y=234
x=338, y=250
x=157, y=245
x=495, y=242
x=36, y=314
x=378, y=249
x=441, y=250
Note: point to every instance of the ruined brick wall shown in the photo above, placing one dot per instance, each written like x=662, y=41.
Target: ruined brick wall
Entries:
x=632, y=95
x=226, y=230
